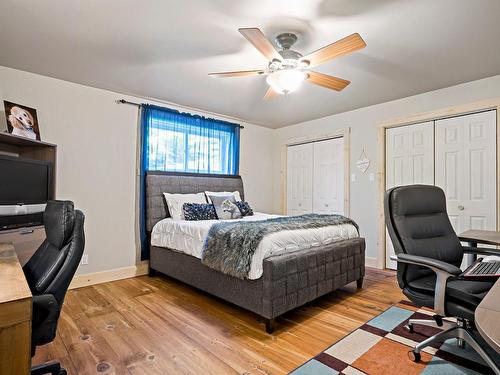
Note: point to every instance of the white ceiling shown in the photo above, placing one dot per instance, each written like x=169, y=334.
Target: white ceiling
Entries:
x=165, y=49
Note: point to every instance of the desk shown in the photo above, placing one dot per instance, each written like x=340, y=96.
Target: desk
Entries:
x=15, y=315
x=487, y=317
x=483, y=237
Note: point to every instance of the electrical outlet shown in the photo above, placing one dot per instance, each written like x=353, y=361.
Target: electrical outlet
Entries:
x=85, y=260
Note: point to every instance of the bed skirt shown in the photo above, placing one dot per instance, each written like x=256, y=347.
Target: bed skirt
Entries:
x=288, y=281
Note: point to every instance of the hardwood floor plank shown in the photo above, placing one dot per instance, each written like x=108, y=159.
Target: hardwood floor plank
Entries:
x=158, y=325
x=208, y=333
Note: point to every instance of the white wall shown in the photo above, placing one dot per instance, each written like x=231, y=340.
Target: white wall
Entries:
x=97, y=146
x=96, y=158
x=363, y=123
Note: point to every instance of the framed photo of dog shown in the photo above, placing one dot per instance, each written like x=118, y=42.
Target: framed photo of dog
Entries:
x=21, y=120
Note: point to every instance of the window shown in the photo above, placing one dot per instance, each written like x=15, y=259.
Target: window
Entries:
x=181, y=142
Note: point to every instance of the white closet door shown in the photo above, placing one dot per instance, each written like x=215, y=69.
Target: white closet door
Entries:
x=409, y=160
x=299, y=179
x=328, y=181
x=466, y=169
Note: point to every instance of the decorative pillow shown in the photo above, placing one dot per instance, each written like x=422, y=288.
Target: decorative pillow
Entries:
x=176, y=201
x=244, y=208
x=225, y=207
x=199, y=211
x=235, y=194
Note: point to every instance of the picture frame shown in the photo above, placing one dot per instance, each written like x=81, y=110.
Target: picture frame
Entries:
x=22, y=121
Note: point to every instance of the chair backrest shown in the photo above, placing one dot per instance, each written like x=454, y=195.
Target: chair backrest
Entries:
x=52, y=267
x=418, y=224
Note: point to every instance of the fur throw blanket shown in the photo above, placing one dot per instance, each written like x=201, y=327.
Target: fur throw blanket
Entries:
x=229, y=246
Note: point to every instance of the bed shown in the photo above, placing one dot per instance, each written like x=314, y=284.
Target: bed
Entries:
x=279, y=282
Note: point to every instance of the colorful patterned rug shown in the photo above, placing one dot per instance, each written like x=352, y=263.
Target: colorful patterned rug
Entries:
x=381, y=346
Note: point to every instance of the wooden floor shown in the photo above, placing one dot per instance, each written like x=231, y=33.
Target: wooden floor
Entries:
x=157, y=325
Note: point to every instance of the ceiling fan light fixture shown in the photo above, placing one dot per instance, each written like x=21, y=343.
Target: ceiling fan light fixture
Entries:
x=286, y=81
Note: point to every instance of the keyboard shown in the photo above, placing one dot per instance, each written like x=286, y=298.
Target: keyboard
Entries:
x=483, y=269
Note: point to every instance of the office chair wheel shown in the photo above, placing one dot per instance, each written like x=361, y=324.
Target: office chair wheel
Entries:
x=414, y=356
x=409, y=327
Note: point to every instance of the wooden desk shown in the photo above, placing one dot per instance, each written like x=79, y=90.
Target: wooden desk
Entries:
x=475, y=237
x=15, y=315
x=487, y=317
x=485, y=237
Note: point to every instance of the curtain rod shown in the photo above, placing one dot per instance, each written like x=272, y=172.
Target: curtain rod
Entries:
x=123, y=101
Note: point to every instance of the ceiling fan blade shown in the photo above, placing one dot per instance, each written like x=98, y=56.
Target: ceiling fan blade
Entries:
x=259, y=41
x=330, y=82
x=270, y=94
x=339, y=48
x=239, y=73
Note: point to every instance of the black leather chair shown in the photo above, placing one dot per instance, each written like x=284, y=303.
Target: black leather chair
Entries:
x=50, y=271
x=429, y=255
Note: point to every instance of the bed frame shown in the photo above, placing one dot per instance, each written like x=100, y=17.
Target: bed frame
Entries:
x=288, y=281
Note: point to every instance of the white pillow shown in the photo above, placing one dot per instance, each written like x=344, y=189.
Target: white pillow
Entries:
x=176, y=201
x=236, y=194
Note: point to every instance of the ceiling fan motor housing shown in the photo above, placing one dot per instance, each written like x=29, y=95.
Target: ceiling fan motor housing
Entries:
x=290, y=58
x=286, y=40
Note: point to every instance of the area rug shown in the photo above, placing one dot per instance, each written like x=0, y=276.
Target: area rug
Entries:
x=381, y=346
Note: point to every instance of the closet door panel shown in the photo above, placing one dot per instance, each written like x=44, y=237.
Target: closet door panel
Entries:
x=409, y=160
x=466, y=169
x=328, y=180
x=299, y=179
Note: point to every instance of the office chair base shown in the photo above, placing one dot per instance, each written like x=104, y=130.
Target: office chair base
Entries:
x=52, y=368
x=436, y=323
x=462, y=335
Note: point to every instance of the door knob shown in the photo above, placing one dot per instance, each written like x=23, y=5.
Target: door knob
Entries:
x=460, y=207
x=300, y=204
x=326, y=204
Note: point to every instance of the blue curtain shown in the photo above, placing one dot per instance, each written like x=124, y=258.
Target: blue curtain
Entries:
x=180, y=142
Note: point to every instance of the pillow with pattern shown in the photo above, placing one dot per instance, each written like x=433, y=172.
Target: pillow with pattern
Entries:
x=199, y=211
x=244, y=208
x=225, y=207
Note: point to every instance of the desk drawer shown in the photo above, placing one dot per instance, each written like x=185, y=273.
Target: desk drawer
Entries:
x=25, y=240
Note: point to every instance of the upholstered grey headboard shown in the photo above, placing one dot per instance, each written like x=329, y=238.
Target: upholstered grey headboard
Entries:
x=158, y=183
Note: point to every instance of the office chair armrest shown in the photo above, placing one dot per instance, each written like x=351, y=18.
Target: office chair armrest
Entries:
x=480, y=251
x=443, y=272
x=46, y=312
x=434, y=264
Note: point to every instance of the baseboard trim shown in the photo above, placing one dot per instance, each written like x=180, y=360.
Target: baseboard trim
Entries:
x=109, y=275
x=371, y=262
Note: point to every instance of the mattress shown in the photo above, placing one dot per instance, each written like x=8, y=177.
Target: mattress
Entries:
x=189, y=236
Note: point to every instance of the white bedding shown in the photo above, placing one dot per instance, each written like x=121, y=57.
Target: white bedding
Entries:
x=189, y=236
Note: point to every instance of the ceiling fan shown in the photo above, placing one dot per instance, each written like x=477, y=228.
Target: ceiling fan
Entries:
x=287, y=69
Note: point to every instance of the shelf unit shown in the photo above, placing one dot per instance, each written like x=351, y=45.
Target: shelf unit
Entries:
x=27, y=239
x=14, y=145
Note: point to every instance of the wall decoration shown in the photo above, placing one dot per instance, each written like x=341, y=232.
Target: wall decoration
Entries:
x=21, y=120
x=363, y=162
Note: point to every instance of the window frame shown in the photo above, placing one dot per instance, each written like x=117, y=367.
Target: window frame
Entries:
x=225, y=138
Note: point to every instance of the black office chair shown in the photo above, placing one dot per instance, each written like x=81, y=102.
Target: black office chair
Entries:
x=50, y=271
x=429, y=255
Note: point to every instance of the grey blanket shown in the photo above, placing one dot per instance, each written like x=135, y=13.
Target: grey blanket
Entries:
x=229, y=246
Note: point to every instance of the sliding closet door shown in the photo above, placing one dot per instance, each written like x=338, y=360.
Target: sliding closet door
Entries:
x=299, y=179
x=409, y=160
x=466, y=169
x=328, y=182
